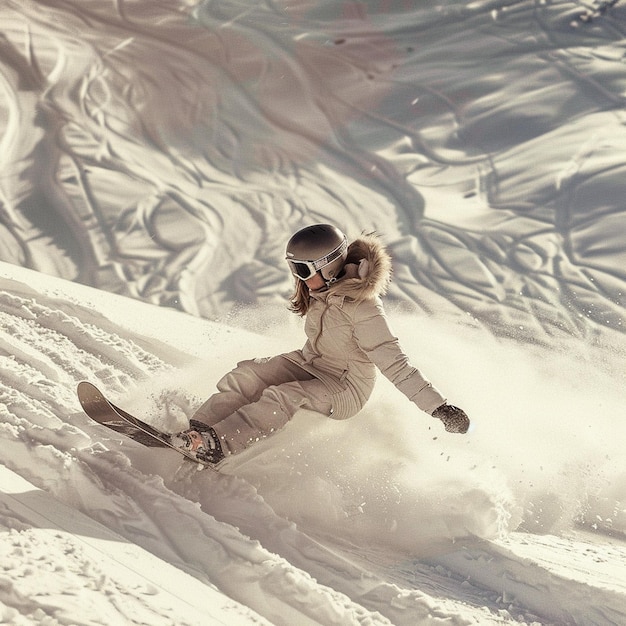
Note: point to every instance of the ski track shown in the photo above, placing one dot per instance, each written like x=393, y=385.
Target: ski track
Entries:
x=80, y=572
x=219, y=528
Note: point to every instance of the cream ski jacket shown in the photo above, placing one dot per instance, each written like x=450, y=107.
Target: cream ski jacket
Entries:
x=348, y=337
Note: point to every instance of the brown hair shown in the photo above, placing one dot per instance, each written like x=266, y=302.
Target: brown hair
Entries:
x=299, y=301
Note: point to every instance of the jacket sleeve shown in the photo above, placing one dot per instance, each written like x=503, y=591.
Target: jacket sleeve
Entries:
x=374, y=337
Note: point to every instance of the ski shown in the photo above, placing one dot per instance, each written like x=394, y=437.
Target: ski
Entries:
x=103, y=411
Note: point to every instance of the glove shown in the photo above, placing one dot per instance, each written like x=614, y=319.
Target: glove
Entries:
x=454, y=419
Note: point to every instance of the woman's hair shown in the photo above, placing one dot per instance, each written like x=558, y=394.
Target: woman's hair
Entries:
x=299, y=301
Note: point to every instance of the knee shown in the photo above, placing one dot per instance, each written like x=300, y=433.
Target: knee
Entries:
x=235, y=379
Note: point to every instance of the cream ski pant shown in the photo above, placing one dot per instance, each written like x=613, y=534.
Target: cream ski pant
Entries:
x=259, y=397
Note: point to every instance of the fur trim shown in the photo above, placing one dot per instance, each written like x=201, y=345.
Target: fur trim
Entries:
x=372, y=273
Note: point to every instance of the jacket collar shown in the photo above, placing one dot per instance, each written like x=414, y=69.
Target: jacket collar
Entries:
x=367, y=271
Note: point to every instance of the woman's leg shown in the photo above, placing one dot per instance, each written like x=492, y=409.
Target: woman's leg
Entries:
x=245, y=384
x=273, y=409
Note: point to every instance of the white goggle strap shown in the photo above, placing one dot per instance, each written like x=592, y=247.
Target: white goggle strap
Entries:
x=332, y=255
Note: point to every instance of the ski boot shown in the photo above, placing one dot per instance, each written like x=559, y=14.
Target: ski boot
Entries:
x=201, y=441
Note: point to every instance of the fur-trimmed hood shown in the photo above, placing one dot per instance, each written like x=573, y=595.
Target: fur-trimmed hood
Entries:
x=367, y=270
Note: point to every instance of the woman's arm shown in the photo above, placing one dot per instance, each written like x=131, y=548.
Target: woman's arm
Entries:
x=372, y=333
x=374, y=337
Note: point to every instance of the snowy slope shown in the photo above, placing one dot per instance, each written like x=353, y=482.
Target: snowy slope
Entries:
x=294, y=534
x=58, y=562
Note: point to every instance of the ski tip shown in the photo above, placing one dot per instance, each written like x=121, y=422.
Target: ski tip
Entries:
x=84, y=385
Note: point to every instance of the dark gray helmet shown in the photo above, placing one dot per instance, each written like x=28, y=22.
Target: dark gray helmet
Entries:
x=319, y=248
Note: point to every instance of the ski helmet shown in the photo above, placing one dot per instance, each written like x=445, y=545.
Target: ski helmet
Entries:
x=319, y=248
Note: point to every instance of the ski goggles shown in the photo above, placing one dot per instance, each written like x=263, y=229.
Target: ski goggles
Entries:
x=307, y=269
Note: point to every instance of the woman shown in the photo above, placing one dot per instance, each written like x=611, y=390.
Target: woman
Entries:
x=338, y=289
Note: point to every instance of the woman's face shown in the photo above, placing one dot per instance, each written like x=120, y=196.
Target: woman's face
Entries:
x=315, y=282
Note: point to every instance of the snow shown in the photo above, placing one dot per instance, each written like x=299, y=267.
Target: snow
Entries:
x=155, y=157
x=93, y=575
x=312, y=525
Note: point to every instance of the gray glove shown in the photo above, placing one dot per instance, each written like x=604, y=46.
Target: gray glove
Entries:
x=454, y=419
